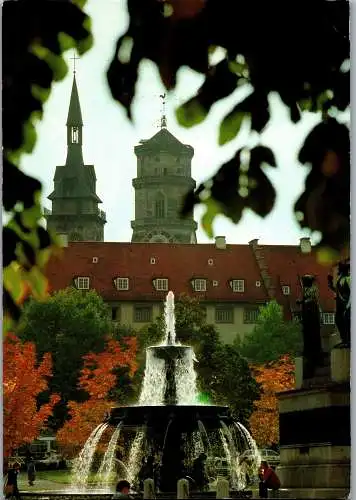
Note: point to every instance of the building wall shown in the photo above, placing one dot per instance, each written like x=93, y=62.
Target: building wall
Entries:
x=125, y=315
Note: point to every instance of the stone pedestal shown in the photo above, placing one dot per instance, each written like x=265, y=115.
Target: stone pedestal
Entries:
x=340, y=364
x=315, y=433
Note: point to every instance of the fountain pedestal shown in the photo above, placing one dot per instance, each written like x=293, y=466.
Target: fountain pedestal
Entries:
x=315, y=440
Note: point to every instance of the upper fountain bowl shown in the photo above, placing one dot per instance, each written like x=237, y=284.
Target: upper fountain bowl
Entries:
x=170, y=352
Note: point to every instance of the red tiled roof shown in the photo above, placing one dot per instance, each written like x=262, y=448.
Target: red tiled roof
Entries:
x=286, y=264
x=180, y=263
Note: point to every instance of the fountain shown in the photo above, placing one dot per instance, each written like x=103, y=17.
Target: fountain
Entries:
x=170, y=425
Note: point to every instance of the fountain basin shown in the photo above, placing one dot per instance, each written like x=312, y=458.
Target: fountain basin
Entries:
x=159, y=416
x=170, y=352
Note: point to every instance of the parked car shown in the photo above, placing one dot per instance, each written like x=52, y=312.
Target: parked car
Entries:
x=52, y=460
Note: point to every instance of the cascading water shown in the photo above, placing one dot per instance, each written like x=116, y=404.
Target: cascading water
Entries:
x=169, y=320
x=82, y=465
x=153, y=382
x=170, y=426
x=107, y=466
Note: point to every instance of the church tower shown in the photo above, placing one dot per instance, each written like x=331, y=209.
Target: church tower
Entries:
x=75, y=210
x=163, y=178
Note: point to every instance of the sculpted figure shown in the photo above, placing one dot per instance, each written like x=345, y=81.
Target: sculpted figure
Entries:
x=312, y=351
x=342, y=289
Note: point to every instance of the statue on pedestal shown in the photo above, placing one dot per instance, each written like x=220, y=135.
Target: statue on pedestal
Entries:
x=342, y=289
x=312, y=351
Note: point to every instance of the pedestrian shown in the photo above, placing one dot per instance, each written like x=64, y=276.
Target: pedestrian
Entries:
x=31, y=472
x=268, y=480
x=11, y=487
x=122, y=490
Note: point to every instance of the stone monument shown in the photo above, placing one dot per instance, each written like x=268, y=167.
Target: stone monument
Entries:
x=314, y=418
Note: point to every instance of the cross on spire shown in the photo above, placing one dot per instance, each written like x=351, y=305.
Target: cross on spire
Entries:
x=163, y=117
x=74, y=58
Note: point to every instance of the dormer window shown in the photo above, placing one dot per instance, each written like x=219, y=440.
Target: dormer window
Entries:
x=75, y=135
x=199, y=285
x=121, y=283
x=82, y=283
x=237, y=286
x=161, y=284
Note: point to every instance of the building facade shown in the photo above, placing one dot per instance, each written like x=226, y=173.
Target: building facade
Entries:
x=163, y=178
x=75, y=204
x=230, y=281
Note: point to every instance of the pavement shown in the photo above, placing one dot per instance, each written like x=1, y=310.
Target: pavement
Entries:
x=40, y=484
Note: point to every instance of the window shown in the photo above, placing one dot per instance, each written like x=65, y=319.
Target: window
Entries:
x=238, y=285
x=204, y=312
x=142, y=314
x=83, y=283
x=286, y=290
x=160, y=208
x=161, y=284
x=328, y=318
x=115, y=313
x=152, y=260
x=251, y=315
x=95, y=260
x=210, y=262
x=215, y=283
x=224, y=314
x=200, y=285
x=75, y=135
x=122, y=283
x=258, y=284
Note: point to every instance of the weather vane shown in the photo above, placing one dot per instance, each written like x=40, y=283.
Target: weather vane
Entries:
x=74, y=58
x=163, y=117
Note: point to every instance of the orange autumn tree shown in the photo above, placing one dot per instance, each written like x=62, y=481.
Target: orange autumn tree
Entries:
x=274, y=377
x=97, y=379
x=23, y=380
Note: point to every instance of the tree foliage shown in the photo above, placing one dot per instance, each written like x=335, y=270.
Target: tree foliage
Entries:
x=274, y=377
x=272, y=336
x=97, y=379
x=266, y=50
x=31, y=63
x=23, y=380
x=223, y=376
x=69, y=324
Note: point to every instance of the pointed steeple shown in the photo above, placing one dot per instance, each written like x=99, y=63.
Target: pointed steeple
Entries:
x=74, y=112
x=75, y=210
x=74, y=129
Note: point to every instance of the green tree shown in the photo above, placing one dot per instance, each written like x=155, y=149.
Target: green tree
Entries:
x=272, y=336
x=69, y=324
x=223, y=374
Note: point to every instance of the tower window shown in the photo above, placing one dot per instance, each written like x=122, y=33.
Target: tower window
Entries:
x=161, y=284
x=159, y=208
x=142, y=314
x=122, y=283
x=199, y=285
x=75, y=135
x=251, y=314
x=237, y=285
x=328, y=318
x=224, y=314
x=82, y=283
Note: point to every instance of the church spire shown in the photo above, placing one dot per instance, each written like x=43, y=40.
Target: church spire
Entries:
x=74, y=128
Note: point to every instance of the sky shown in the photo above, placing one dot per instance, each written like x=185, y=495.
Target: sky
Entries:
x=109, y=138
